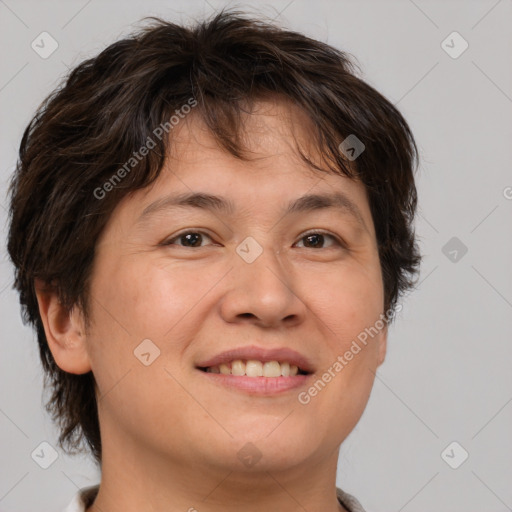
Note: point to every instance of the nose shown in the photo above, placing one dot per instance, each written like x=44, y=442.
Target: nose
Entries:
x=263, y=292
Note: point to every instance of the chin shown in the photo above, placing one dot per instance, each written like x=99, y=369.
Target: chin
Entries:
x=265, y=451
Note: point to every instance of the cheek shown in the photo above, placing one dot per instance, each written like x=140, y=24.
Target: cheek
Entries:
x=135, y=302
x=155, y=300
x=349, y=304
x=150, y=300
x=346, y=300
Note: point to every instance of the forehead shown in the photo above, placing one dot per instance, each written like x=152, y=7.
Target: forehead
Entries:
x=267, y=128
x=274, y=178
x=273, y=132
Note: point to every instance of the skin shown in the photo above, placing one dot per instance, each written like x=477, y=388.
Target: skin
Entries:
x=170, y=437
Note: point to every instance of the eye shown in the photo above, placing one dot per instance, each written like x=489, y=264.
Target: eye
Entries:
x=189, y=238
x=317, y=238
x=194, y=239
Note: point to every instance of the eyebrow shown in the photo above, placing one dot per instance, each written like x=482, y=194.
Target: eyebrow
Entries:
x=209, y=202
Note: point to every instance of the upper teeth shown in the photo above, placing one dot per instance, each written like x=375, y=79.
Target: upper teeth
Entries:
x=254, y=368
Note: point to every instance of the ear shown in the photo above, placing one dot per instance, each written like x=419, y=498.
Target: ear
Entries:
x=64, y=330
x=383, y=344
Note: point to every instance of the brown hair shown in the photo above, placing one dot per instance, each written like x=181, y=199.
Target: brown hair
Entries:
x=109, y=105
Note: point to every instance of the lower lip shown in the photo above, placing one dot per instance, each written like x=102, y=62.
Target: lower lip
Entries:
x=258, y=385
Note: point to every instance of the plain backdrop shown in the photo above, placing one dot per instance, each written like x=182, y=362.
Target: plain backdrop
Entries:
x=447, y=374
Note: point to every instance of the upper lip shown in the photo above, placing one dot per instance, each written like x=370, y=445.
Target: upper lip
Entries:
x=253, y=352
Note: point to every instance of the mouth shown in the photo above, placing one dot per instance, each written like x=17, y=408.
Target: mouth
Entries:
x=258, y=371
x=254, y=369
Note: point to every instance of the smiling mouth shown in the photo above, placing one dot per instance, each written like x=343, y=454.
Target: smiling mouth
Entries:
x=254, y=368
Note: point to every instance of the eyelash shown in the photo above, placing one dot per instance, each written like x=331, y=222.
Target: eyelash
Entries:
x=170, y=241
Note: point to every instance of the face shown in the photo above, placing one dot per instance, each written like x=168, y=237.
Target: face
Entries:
x=264, y=281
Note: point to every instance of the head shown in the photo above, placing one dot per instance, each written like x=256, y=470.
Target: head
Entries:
x=257, y=115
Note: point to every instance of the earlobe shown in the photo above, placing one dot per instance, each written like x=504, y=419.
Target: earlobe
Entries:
x=64, y=330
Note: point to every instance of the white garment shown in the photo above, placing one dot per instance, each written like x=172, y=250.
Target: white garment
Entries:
x=84, y=498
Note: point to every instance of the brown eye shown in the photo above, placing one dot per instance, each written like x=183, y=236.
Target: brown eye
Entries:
x=189, y=239
x=316, y=240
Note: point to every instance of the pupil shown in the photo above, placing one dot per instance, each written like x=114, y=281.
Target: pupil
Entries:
x=318, y=238
x=194, y=238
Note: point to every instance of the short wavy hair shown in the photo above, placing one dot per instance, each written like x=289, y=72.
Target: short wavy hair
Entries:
x=108, y=106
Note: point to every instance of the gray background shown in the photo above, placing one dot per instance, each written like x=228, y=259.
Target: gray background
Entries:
x=447, y=375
